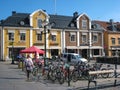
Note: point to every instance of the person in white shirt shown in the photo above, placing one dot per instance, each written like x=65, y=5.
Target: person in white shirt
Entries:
x=29, y=66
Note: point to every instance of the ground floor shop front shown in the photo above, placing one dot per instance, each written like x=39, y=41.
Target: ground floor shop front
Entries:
x=87, y=53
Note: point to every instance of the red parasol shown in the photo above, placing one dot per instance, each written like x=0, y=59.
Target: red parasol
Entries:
x=32, y=49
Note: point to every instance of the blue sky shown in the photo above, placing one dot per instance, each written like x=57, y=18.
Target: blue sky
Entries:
x=95, y=9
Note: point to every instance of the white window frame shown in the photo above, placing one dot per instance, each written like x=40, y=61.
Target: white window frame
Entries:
x=119, y=41
x=84, y=37
x=95, y=37
x=22, y=38
x=72, y=37
x=39, y=37
x=53, y=37
x=11, y=35
x=39, y=22
x=113, y=41
x=84, y=24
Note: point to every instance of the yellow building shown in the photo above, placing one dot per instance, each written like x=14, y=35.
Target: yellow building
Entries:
x=22, y=30
x=111, y=37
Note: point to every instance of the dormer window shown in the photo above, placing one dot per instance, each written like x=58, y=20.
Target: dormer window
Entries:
x=22, y=23
x=94, y=26
x=39, y=23
x=72, y=25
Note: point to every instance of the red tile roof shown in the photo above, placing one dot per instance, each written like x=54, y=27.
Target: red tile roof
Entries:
x=105, y=24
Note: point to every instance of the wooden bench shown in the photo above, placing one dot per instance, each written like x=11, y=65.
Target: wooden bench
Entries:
x=95, y=80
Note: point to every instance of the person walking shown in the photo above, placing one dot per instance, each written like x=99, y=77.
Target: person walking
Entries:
x=29, y=66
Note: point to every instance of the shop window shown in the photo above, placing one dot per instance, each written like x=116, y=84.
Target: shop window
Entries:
x=96, y=52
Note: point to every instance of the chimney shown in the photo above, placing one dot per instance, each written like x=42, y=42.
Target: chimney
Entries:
x=112, y=25
x=44, y=10
x=111, y=21
x=75, y=14
x=13, y=12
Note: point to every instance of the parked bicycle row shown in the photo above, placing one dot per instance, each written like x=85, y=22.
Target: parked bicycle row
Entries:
x=59, y=71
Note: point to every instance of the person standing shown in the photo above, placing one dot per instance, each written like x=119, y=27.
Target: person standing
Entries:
x=29, y=66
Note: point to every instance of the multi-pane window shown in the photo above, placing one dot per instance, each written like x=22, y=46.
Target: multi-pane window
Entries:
x=113, y=40
x=84, y=24
x=22, y=36
x=84, y=38
x=95, y=38
x=53, y=38
x=118, y=40
x=11, y=36
x=72, y=37
x=39, y=37
x=39, y=23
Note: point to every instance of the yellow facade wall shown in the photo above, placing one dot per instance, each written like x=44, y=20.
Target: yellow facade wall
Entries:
x=108, y=41
x=17, y=42
x=36, y=16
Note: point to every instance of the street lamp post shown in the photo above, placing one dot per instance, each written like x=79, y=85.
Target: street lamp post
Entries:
x=89, y=45
x=12, y=51
x=45, y=44
x=47, y=28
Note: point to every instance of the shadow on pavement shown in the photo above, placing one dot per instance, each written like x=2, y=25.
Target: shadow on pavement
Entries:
x=105, y=86
x=10, y=78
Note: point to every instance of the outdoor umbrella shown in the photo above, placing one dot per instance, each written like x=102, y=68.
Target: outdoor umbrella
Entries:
x=32, y=49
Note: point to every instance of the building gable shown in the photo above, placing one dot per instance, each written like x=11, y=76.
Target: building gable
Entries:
x=38, y=16
x=83, y=22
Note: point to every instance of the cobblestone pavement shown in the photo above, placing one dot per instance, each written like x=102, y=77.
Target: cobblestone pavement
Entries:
x=12, y=78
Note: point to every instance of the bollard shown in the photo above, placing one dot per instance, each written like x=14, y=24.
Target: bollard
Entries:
x=22, y=66
x=115, y=73
x=19, y=64
x=68, y=68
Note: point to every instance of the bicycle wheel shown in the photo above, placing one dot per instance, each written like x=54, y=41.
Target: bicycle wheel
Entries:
x=60, y=77
x=52, y=75
x=34, y=74
x=75, y=76
x=39, y=75
x=68, y=78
